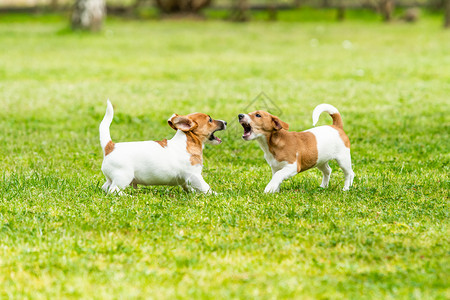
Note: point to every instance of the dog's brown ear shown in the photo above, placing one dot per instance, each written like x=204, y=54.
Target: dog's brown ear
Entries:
x=169, y=121
x=183, y=123
x=278, y=124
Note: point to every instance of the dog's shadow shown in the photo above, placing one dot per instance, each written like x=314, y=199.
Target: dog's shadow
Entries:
x=175, y=192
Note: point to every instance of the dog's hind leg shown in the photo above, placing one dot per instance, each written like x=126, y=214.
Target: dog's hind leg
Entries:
x=134, y=184
x=326, y=170
x=106, y=185
x=120, y=182
x=345, y=162
x=187, y=188
x=114, y=189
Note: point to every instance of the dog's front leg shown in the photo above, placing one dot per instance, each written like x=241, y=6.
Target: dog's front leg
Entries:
x=197, y=182
x=278, y=177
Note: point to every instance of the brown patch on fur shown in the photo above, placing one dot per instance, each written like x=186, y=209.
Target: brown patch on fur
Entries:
x=339, y=126
x=300, y=147
x=204, y=128
x=195, y=148
x=266, y=122
x=343, y=136
x=109, y=147
x=162, y=143
x=337, y=120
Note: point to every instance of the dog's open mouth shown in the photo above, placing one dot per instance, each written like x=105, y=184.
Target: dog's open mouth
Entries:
x=247, y=130
x=212, y=137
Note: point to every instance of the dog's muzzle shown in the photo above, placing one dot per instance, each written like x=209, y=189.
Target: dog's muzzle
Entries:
x=212, y=137
x=246, y=125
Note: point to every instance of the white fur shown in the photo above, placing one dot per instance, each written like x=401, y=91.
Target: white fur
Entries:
x=323, y=108
x=329, y=143
x=280, y=170
x=105, y=137
x=279, y=176
x=330, y=146
x=274, y=164
x=148, y=163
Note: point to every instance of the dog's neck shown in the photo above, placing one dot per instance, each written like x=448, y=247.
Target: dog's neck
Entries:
x=263, y=143
x=265, y=140
x=193, y=144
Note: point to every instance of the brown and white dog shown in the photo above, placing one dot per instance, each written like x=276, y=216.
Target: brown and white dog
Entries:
x=178, y=161
x=289, y=153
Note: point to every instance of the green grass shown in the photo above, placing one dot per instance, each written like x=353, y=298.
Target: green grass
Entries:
x=61, y=237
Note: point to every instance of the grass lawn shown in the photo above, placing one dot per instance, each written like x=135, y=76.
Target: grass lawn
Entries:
x=62, y=237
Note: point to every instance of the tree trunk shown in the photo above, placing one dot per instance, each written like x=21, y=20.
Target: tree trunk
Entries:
x=240, y=11
x=340, y=16
x=447, y=14
x=137, y=4
x=386, y=8
x=297, y=3
x=88, y=14
x=272, y=10
x=54, y=4
x=181, y=6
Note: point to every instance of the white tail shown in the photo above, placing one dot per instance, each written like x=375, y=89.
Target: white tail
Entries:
x=105, y=137
x=334, y=113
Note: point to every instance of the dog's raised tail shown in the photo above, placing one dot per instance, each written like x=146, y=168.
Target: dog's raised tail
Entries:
x=105, y=137
x=334, y=113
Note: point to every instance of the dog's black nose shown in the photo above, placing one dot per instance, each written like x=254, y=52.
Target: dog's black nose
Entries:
x=241, y=116
x=225, y=122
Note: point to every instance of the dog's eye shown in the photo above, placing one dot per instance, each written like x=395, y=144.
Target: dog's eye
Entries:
x=210, y=120
x=258, y=115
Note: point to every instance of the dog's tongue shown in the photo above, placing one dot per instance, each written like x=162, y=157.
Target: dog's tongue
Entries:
x=247, y=134
x=218, y=139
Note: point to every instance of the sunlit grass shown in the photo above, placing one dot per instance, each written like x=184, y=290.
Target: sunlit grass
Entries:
x=60, y=236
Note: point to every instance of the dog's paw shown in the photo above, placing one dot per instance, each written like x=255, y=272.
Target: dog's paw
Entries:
x=270, y=189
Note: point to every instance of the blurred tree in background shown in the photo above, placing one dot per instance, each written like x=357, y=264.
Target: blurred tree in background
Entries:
x=54, y=4
x=88, y=14
x=181, y=6
x=239, y=11
x=386, y=8
x=447, y=14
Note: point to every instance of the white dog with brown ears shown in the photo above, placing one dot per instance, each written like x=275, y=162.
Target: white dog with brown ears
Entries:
x=289, y=153
x=178, y=161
